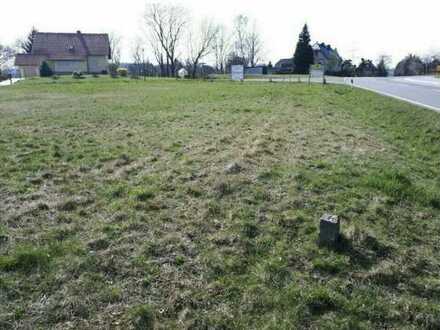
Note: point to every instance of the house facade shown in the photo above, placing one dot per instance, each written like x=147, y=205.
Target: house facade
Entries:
x=66, y=53
x=323, y=54
x=284, y=66
x=256, y=70
x=327, y=56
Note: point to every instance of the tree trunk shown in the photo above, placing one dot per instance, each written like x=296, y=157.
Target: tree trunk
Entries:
x=173, y=68
x=194, y=69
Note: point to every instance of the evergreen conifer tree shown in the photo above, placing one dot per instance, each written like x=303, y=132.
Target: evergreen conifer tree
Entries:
x=27, y=44
x=303, y=57
x=382, y=70
x=45, y=70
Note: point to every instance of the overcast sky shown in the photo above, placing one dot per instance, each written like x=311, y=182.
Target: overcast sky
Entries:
x=357, y=28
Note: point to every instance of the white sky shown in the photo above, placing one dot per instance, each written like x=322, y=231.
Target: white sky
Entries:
x=358, y=28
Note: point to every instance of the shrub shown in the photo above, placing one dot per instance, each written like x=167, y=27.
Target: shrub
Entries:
x=113, y=70
x=77, y=75
x=45, y=70
x=122, y=72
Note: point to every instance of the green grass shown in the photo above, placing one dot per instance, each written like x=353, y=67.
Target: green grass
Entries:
x=117, y=207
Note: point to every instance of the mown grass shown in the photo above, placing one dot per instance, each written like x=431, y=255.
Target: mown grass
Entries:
x=185, y=204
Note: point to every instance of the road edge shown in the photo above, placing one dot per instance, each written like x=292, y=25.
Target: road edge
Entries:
x=429, y=107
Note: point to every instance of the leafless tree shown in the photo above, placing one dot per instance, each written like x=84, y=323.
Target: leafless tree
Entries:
x=247, y=41
x=254, y=45
x=387, y=59
x=166, y=24
x=6, y=54
x=201, y=43
x=159, y=55
x=115, y=47
x=240, y=37
x=138, y=55
x=430, y=61
x=222, y=48
x=1, y=53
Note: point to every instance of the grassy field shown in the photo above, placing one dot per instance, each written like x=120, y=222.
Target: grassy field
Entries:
x=131, y=204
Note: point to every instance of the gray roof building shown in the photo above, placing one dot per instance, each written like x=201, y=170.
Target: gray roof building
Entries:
x=66, y=53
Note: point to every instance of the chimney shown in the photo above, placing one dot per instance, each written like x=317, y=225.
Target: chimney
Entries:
x=79, y=32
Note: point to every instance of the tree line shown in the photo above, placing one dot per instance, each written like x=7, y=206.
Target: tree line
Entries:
x=176, y=41
x=171, y=39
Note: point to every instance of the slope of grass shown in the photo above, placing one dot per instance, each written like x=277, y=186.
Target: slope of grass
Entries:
x=195, y=205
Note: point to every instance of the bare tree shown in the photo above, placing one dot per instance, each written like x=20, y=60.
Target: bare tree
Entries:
x=6, y=55
x=115, y=48
x=138, y=55
x=386, y=59
x=248, y=44
x=2, y=59
x=159, y=55
x=427, y=60
x=254, y=45
x=383, y=65
x=201, y=43
x=431, y=60
x=221, y=49
x=166, y=24
x=241, y=37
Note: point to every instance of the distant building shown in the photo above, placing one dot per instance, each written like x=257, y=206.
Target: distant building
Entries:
x=327, y=56
x=66, y=53
x=411, y=65
x=284, y=66
x=257, y=70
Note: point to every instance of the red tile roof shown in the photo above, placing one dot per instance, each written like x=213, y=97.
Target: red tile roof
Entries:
x=70, y=46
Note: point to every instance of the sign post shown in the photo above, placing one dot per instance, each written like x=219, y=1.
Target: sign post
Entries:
x=237, y=72
x=317, y=72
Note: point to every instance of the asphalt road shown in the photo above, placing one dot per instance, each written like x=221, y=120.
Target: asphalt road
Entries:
x=420, y=90
x=423, y=91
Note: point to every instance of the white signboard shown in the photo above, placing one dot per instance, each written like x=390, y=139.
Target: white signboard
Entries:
x=317, y=73
x=237, y=72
